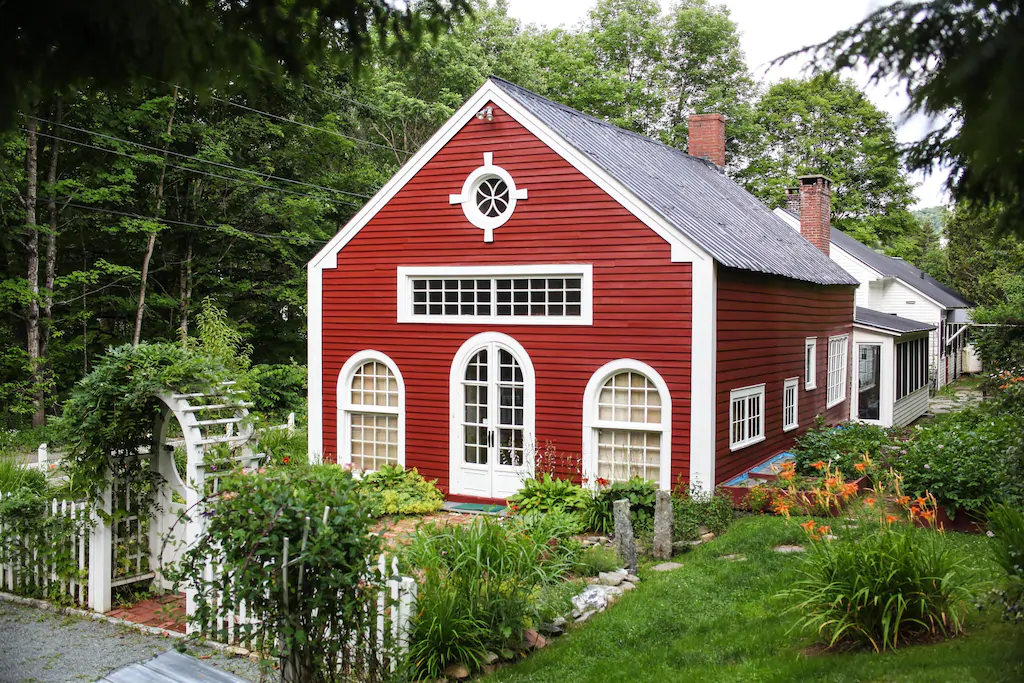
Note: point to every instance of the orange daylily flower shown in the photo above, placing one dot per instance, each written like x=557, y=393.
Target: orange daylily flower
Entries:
x=787, y=474
x=891, y=518
x=824, y=529
x=860, y=466
x=870, y=501
x=903, y=500
x=818, y=465
x=808, y=526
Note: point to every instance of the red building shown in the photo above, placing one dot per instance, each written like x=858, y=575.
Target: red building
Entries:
x=536, y=275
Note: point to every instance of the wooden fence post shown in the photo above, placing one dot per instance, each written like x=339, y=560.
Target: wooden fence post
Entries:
x=101, y=540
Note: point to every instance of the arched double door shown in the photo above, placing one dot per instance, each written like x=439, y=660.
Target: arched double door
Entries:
x=492, y=390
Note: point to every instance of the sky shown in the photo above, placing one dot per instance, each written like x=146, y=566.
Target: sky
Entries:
x=768, y=29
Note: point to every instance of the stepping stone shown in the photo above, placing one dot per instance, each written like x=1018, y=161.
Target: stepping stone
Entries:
x=734, y=557
x=788, y=549
x=666, y=567
x=610, y=578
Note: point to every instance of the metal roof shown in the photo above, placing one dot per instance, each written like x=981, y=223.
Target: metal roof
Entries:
x=691, y=194
x=171, y=667
x=888, y=321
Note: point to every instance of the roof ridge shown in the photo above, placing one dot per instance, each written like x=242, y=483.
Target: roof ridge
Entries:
x=602, y=122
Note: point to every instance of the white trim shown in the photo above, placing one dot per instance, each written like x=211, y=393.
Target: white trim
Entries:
x=584, y=271
x=703, y=374
x=455, y=403
x=744, y=393
x=345, y=407
x=794, y=384
x=591, y=424
x=845, y=339
x=468, y=200
x=811, y=374
x=314, y=364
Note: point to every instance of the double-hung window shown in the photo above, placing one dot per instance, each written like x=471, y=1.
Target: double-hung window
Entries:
x=746, y=416
x=790, y=410
x=838, y=347
x=811, y=363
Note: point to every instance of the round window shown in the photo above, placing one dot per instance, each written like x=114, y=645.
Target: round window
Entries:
x=492, y=197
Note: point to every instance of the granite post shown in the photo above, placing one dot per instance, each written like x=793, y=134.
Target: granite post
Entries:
x=663, y=519
x=625, y=541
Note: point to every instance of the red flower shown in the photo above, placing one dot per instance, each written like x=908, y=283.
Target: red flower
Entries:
x=286, y=460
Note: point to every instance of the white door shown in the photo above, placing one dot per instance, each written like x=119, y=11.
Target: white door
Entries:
x=492, y=421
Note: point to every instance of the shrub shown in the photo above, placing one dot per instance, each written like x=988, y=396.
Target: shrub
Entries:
x=844, y=446
x=16, y=477
x=597, y=559
x=968, y=461
x=276, y=390
x=1006, y=524
x=394, y=490
x=549, y=494
x=640, y=493
x=284, y=448
x=476, y=586
x=883, y=587
x=695, y=509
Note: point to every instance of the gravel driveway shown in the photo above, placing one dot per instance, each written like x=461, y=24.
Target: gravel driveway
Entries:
x=37, y=646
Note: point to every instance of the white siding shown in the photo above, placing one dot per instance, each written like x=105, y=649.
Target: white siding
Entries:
x=910, y=407
x=858, y=270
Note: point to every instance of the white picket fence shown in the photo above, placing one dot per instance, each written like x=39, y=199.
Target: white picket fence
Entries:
x=24, y=572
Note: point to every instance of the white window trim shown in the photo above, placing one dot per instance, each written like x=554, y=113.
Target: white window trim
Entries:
x=346, y=408
x=591, y=424
x=811, y=373
x=744, y=393
x=467, y=198
x=584, y=271
x=845, y=338
x=794, y=383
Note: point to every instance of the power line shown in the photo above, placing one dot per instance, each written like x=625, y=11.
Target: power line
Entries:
x=232, y=231
x=268, y=176
x=194, y=170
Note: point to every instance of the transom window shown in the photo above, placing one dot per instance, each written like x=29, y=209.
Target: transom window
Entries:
x=837, y=352
x=790, y=410
x=746, y=416
x=371, y=419
x=630, y=446
x=492, y=197
x=522, y=295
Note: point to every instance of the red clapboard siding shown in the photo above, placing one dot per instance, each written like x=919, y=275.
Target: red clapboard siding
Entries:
x=763, y=321
x=641, y=298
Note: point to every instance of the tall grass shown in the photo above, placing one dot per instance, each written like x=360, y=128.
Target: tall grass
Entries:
x=15, y=477
x=1006, y=524
x=883, y=587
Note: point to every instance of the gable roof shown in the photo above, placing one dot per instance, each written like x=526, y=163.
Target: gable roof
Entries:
x=888, y=322
x=887, y=266
x=690, y=194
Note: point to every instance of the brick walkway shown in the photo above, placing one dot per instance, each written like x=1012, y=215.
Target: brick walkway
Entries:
x=396, y=531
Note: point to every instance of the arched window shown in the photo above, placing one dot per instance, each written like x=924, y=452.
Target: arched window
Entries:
x=371, y=412
x=627, y=422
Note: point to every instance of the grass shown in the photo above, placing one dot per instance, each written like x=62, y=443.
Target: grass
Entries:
x=962, y=383
x=717, y=620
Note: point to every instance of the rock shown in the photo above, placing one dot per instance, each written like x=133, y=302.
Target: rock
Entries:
x=734, y=557
x=613, y=591
x=666, y=567
x=707, y=537
x=661, y=547
x=610, y=578
x=830, y=537
x=593, y=580
x=491, y=657
x=552, y=630
x=457, y=670
x=558, y=621
x=701, y=530
x=534, y=639
x=583, y=617
x=787, y=549
x=488, y=669
x=625, y=541
x=627, y=586
x=632, y=578
x=593, y=598
x=594, y=539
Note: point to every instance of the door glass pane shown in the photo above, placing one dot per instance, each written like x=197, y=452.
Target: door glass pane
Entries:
x=869, y=379
x=510, y=410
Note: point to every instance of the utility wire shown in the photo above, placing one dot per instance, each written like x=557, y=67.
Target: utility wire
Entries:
x=202, y=161
x=195, y=170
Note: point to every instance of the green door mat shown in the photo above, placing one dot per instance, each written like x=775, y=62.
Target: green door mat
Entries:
x=475, y=507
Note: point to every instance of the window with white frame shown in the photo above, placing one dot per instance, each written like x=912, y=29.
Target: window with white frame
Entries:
x=371, y=405
x=837, y=352
x=811, y=363
x=790, y=409
x=534, y=294
x=911, y=366
x=746, y=416
x=629, y=413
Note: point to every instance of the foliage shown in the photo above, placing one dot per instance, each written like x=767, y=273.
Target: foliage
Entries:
x=693, y=510
x=549, y=494
x=969, y=460
x=827, y=125
x=958, y=61
x=475, y=589
x=844, y=447
x=883, y=586
x=1006, y=524
x=16, y=477
x=394, y=490
x=597, y=559
x=276, y=390
x=283, y=447
x=640, y=492
x=312, y=614
x=824, y=494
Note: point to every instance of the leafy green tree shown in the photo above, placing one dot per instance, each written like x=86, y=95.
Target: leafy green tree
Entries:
x=49, y=46
x=960, y=61
x=827, y=125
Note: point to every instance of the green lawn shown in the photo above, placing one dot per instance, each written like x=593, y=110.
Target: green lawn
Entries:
x=716, y=621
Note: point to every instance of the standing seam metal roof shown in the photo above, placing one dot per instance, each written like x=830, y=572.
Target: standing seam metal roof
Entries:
x=691, y=194
x=888, y=321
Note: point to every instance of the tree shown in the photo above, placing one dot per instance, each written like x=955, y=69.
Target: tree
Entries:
x=960, y=61
x=49, y=46
x=827, y=125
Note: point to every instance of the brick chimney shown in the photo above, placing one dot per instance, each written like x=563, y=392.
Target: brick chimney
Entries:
x=707, y=137
x=815, y=210
x=793, y=200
